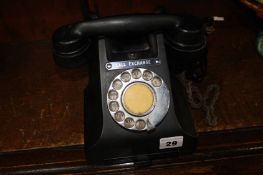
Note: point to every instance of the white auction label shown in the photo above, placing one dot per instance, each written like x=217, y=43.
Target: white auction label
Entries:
x=171, y=142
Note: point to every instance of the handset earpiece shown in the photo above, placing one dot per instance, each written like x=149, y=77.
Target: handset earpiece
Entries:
x=186, y=48
x=70, y=51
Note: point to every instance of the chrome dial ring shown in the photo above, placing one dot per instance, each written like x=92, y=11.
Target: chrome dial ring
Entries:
x=146, y=80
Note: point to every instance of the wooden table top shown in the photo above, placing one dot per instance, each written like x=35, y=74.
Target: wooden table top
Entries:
x=41, y=105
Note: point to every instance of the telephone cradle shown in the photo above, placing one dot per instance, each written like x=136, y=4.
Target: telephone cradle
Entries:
x=135, y=109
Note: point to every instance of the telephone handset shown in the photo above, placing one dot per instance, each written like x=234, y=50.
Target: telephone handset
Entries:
x=135, y=109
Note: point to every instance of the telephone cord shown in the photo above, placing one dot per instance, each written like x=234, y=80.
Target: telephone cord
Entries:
x=205, y=101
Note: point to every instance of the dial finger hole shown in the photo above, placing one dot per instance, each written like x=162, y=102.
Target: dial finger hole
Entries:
x=119, y=116
x=156, y=81
x=114, y=106
x=117, y=84
x=113, y=95
x=147, y=75
x=129, y=123
x=140, y=124
x=136, y=74
x=125, y=77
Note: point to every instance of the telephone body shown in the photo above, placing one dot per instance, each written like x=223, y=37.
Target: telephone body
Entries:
x=135, y=108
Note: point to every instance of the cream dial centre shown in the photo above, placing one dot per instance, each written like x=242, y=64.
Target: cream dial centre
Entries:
x=138, y=99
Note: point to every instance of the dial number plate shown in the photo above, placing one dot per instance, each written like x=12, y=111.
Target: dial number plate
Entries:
x=148, y=99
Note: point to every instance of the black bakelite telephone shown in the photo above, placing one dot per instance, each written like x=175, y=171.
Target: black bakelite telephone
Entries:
x=135, y=108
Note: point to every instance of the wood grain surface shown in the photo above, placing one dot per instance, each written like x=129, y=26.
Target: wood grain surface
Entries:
x=41, y=105
x=236, y=151
x=29, y=20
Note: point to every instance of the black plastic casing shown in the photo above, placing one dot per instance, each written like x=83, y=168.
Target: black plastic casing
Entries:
x=106, y=142
x=185, y=37
x=186, y=48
